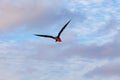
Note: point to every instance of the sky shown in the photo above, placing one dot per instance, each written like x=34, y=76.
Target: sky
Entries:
x=90, y=47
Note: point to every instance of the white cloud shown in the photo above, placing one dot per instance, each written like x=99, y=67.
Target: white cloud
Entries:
x=15, y=12
x=110, y=70
x=36, y=60
x=84, y=2
x=18, y=64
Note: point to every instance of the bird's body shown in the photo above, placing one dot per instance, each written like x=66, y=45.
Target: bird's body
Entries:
x=57, y=38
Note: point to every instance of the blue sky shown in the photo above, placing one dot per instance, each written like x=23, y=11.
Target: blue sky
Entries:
x=90, y=44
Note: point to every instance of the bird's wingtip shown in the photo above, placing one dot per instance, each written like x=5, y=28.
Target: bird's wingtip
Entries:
x=70, y=20
x=35, y=34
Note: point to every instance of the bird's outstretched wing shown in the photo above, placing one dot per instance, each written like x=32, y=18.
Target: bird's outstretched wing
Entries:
x=63, y=28
x=47, y=36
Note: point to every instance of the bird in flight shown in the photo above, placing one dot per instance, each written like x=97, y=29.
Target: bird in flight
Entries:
x=57, y=38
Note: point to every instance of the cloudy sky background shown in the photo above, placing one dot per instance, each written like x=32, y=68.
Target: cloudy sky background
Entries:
x=91, y=43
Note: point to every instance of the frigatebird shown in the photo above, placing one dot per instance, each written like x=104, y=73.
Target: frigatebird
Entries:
x=57, y=38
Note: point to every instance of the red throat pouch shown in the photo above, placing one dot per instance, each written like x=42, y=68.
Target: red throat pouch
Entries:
x=58, y=40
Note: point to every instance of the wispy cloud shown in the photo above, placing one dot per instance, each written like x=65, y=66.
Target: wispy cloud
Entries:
x=109, y=70
x=13, y=12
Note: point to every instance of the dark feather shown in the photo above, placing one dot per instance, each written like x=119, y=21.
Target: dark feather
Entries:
x=47, y=36
x=63, y=28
